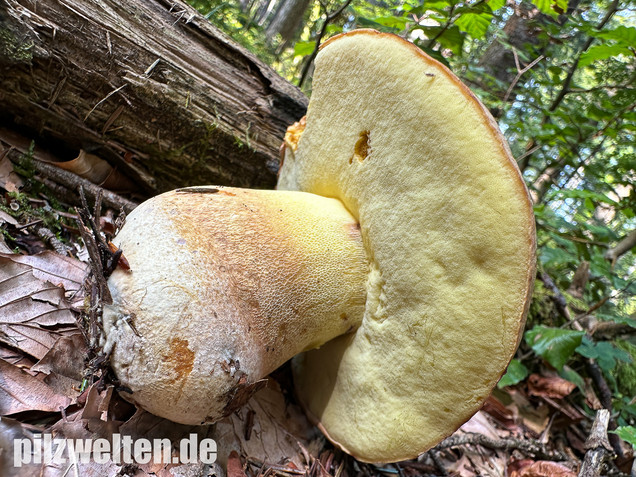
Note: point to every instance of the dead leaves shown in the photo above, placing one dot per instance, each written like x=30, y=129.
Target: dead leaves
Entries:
x=542, y=468
x=98, y=171
x=34, y=313
x=21, y=391
x=549, y=386
x=35, y=316
x=9, y=180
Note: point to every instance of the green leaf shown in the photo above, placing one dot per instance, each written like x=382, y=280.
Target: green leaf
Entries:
x=555, y=345
x=551, y=257
x=604, y=352
x=304, y=48
x=392, y=22
x=369, y=23
x=627, y=433
x=572, y=376
x=475, y=8
x=581, y=194
x=623, y=34
x=476, y=25
x=516, y=373
x=602, y=52
x=450, y=38
x=495, y=4
x=439, y=6
x=551, y=7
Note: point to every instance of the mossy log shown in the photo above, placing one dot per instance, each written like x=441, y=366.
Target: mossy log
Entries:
x=148, y=85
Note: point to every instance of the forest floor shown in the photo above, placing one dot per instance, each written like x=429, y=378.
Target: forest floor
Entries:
x=52, y=381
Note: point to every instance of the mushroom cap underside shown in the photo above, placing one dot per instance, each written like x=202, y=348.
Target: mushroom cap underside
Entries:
x=448, y=229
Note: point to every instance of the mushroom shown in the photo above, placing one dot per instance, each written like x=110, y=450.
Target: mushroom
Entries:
x=398, y=253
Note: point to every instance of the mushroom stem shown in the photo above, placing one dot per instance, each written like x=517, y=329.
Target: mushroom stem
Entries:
x=224, y=286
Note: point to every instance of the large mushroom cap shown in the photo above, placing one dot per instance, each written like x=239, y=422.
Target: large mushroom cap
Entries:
x=448, y=229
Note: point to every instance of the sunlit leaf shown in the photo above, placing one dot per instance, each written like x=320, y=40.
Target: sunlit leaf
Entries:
x=495, y=4
x=623, y=34
x=304, y=48
x=602, y=52
x=371, y=23
x=581, y=194
x=551, y=7
x=476, y=25
x=392, y=22
x=450, y=38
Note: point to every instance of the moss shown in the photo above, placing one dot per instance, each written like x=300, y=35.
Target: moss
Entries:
x=626, y=372
x=542, y=308
x=25, y=166
x=14, y=49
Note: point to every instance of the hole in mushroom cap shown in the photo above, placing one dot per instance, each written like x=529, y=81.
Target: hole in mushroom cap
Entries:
x=362, y=148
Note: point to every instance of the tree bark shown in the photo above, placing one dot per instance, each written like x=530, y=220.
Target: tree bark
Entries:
x=287, y=19
x=148, y=85
x=622, y=247
x=498, y=60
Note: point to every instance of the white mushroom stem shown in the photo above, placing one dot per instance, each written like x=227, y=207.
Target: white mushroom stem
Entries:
x=224, y=286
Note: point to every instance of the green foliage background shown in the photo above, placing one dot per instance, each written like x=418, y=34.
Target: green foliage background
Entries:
x=567, y=108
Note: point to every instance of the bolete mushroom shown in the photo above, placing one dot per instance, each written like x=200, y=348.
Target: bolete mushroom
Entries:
x=398, y=248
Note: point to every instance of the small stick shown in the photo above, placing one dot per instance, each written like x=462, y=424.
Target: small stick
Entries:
x=73, y=182
x=527, y=446
x=598, y=447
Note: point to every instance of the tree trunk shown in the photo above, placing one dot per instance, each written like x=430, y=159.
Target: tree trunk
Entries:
x=287, y=19
x=498, y=60
x=148, y=85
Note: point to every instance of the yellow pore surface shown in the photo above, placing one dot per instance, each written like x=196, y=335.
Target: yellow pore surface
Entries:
x=449, y=232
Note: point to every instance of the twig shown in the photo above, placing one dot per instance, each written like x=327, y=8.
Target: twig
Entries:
x=439, y=465
x=557, y=297
x=598, y=447
x=275, y=467
x=329, y=18
x=605, y=396
x=593, y=368
x=520, y=73
x=527, y=446
x=74, y=182
x=46, y=234
x=565, y=86
x=104, y=99
x=622, y=247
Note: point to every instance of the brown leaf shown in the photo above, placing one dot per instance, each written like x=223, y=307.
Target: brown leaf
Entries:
x=10, y=431
x=19, y=391
x=495, y=409
x=543, y=468
x=4, y=217
x=15, y=357
x=9, y=180
x=549, y=386
x=33, y=313
x=591, y=399
x=55, y=268
x=96, y=170
x=534, y=418
x=87, y=166
x=64, y=364
x=276, y=429
x=65, y=358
